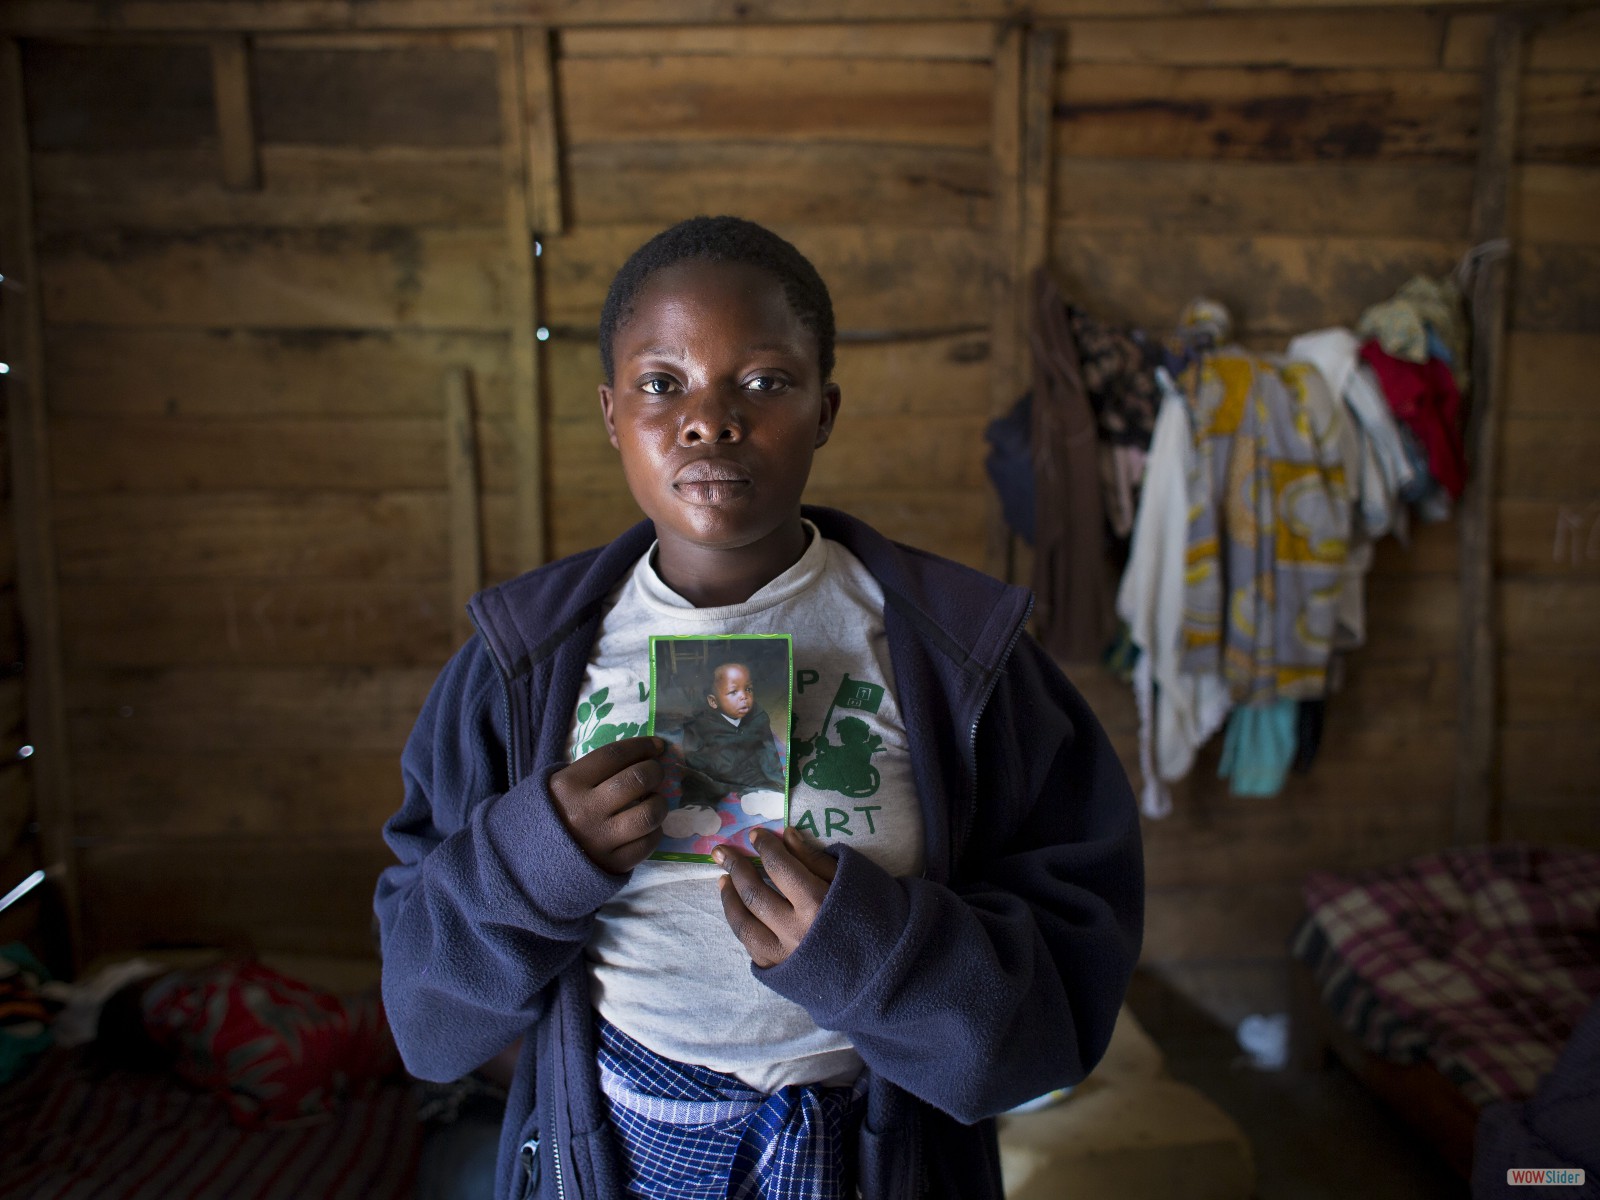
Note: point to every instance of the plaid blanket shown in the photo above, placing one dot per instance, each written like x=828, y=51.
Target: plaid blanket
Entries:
x=1479, y=960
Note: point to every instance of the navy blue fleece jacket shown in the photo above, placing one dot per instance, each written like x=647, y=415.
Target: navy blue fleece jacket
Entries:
x=992, y=978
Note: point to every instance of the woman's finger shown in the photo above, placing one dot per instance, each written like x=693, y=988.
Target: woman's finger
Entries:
x=762, y=945
x=792, y=876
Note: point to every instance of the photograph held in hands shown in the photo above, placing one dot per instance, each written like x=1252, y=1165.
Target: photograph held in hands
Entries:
x=722, y=704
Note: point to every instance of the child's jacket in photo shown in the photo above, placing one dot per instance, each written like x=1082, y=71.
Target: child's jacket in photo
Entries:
x=994, y=977
x=721, y=757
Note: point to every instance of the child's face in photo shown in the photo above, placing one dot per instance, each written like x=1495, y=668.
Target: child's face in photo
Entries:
x=717, y=404
x=732, y=693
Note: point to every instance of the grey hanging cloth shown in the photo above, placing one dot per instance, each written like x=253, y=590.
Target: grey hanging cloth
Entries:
x=1075, y=609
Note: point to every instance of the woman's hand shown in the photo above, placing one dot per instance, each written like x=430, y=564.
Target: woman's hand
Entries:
x=608, y=801
x=770, y=919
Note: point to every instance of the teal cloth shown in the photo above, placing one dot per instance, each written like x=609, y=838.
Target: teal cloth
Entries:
x=1258, y=748
x=22, y=1038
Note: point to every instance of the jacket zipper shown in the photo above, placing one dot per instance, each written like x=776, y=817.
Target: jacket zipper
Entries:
x=555, y=1150
x=972, y=735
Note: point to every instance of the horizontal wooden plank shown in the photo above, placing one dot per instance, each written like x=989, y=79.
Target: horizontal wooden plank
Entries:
x=143, y=795
x=1556, y=289
x=1260, y=39
x=378, y=39
x=1272, y=284
x=1545, y=765
x=176, y=454
x=1538, y=615
x=1550, y=374
x=936, y=376
x=247, y=374
x=1219, y=921
x=1544, y=687
x=1421, y=200
x=117, y=96
x=33, y=16
x=1547, y=537
x=331, y=279
x=396, y=96
x=1135, y=111
x=1411, y=617
x=1550, y=457
x=924, y=40
x=881, y=278
x=790, y=99
x=244, y=893
x=143, y=623
x=662, y=181
x=181, y=189
x=1557, y=202
x=1557, y=42
x=245, y=709
x=1559, y=117
x=1245, y=841
x=390, y=538
x=1552, y=824
x=1431, y=548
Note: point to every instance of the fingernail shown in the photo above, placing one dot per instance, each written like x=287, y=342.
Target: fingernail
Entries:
x=720, y=856
x=661, y=744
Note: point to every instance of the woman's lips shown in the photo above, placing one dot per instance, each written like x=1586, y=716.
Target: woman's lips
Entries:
x=710, y=482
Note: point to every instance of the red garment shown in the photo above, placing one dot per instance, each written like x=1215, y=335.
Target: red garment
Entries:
x=273, y=1048
x=1424, y=398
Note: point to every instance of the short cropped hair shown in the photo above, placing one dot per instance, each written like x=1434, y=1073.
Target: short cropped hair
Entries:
x=730, y=240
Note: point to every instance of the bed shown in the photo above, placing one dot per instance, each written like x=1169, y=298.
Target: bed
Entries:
x=1451, y=983
x=263, y=1087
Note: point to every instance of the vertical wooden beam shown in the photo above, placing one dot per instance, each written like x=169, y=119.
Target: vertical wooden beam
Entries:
x=527, y=363
x=1008, y=290
x=1475, y=816
x=542, y=131
x=28, y=432
x=236, y=122
x=1038, y=162
x=466, y=520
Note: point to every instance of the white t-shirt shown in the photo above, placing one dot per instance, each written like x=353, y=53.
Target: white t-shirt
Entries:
x=663, y=964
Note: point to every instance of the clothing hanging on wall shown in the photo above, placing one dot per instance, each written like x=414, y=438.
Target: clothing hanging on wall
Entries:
x=1071, y=580
x=1267, y=545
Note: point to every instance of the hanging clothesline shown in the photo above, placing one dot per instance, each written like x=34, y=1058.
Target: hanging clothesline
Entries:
x=1244, y=492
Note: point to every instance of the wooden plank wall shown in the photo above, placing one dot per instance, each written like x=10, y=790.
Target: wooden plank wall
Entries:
x=1300, y=167
x=257, y=293
x=247, y=391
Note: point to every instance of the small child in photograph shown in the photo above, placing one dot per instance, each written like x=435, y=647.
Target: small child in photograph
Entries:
x=841, y=1006
x=728, y=746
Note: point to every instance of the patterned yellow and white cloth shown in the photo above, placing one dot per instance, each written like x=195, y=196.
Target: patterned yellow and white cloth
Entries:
x=1269, y=526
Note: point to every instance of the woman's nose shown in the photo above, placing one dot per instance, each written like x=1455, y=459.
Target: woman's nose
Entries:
x=710, y=416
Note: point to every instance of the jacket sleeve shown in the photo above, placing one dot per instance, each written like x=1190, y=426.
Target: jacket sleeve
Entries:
x=1005, y=984
x=490, y=897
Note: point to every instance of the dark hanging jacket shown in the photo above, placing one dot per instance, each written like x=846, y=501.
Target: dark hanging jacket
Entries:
x=993, y=977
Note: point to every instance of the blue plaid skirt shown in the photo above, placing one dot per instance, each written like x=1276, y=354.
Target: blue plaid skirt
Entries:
x=691, y=1133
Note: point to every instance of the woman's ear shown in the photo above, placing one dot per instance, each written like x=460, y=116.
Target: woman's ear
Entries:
x=605, y=413
x=830, y=413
